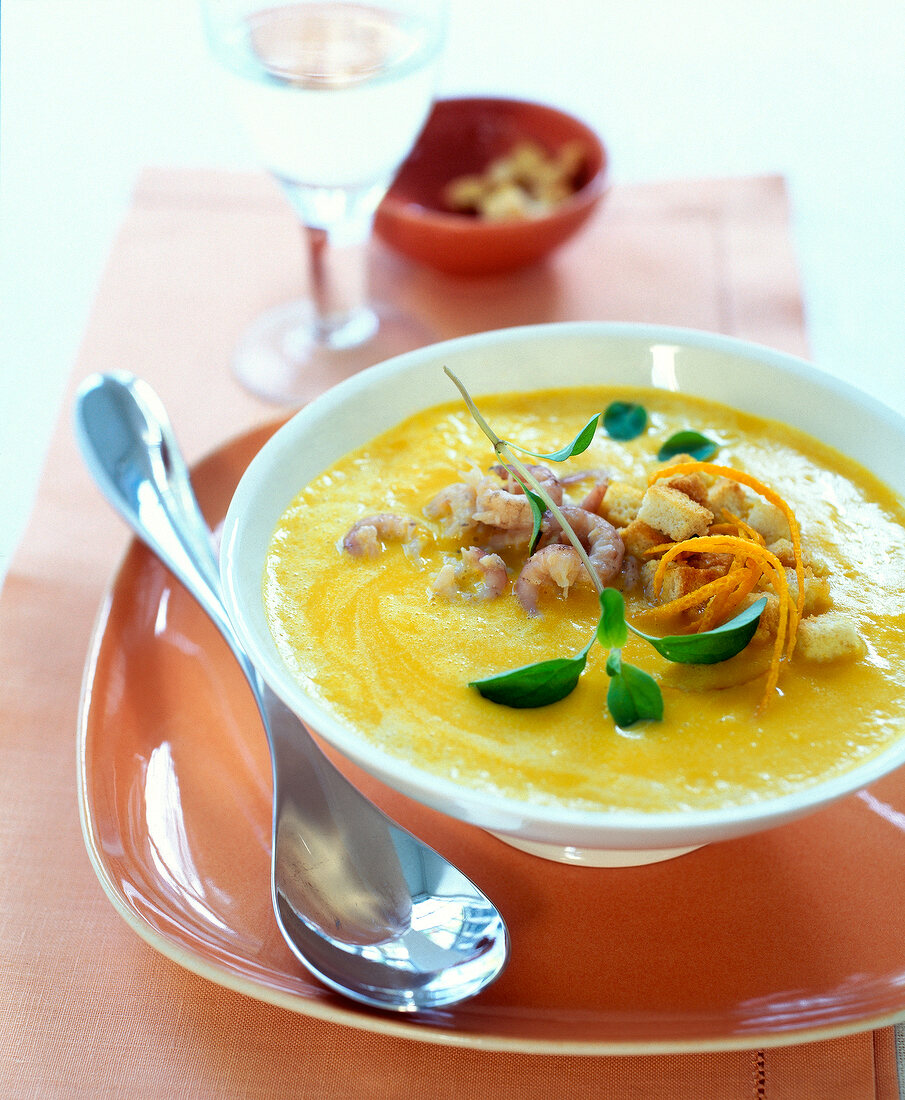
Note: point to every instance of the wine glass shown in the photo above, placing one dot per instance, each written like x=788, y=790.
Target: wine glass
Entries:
x=333, y=94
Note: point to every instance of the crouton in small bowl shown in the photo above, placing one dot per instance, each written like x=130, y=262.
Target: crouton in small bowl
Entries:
x=609, y=592
x=493, y=185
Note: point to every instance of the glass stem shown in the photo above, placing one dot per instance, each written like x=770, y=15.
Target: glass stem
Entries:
x=338, y=280
x=337, y=223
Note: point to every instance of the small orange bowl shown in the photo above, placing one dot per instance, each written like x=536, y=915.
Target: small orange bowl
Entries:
x=463, y=137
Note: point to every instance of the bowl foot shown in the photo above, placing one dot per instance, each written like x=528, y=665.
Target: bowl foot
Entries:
x=595, y=857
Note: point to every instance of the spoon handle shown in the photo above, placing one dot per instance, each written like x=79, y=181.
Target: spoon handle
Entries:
x=320, y=820
x=129, y=446
x=346, y=881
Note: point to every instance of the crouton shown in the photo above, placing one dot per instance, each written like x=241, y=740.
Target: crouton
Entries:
x=639, y=537
x=679, y=460
x=816, y=592
x=648, y=572
x=832, y=636
x=692, y=485
x=769, y=521
x=673, y=513
x=621, y=503
x=680, y=579
x=784, y=550
x=726, y=495
x=722, y=562
x=768, y=623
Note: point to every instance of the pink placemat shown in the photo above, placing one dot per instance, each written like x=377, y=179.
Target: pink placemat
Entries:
x=89, y=1009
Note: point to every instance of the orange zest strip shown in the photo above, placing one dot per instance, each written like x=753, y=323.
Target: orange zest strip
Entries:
x=772, y=569
x=715, y=611
x=721, y=610
x=745, y=528
x=689, y=600
x=762, y=490
x=660, y=548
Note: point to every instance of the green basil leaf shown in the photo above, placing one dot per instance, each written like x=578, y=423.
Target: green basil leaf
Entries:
x=624, y=420
x=579, y=444
x=712, y=646
x=538, y=509
x=633, y=695
x=535, y=685
x=612, y=630
x=688, y=443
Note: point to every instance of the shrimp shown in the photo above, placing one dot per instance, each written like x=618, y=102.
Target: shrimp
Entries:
x=547, y=479
x=487, y=572
x=496, y=507
x=454, y=506
x=363, y=539
x=502, y=509
x=598, y=536
x=594, y=497
x=553, y=566
x=490, y=511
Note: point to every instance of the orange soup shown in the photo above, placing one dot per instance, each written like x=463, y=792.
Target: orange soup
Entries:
x=388, y=637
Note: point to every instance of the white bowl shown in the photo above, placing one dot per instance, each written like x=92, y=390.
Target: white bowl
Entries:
x=748, y=377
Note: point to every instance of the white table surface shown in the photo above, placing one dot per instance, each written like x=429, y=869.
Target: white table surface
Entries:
x=92, y=90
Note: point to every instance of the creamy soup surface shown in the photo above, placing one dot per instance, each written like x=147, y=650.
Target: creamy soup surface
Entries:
x=373, y=643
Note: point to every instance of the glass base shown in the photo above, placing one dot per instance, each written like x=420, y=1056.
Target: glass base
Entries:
x=284, y=359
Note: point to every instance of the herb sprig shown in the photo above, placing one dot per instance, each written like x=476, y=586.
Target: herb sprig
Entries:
x=633, y=695
x=688, y=442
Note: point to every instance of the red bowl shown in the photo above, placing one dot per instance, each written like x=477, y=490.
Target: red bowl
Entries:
x=462, y=137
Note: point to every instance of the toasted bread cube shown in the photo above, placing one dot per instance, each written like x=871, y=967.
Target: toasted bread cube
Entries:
x=505, y=201
x=726, y=495
x=816, y=592
x=621, y=503
x=679, y=460
x=674, y=513
x=693, y=485
x=720, y=562
x=648, y=571
x=768, y=623
x=680, y=579
x=817, y=564
x=832, y=636
x=784, y=550
x=769, y=521
x=639, y=537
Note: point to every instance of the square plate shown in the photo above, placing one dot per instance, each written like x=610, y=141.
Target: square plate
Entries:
x=791, y=935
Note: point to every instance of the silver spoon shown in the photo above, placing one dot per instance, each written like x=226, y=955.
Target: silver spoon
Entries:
x=369, y=909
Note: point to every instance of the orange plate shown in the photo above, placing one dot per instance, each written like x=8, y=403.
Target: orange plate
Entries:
x=795, y=934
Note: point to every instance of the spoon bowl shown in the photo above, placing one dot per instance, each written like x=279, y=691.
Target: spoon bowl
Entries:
x=368, y=908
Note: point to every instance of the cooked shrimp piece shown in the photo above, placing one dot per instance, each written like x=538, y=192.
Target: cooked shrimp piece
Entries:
x=545, y=476
x=477, y=575
x=598, y=536
x=496, y=507
x=503, y=504
x=594, y=497
x=454, y=507
x=365, y=538
x=490, y=568
x=556, y=566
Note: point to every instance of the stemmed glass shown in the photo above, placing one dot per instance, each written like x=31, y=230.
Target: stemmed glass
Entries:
x=333, y=94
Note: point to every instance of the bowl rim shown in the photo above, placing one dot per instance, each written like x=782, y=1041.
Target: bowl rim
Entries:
x=443, y=790
x=590, y=192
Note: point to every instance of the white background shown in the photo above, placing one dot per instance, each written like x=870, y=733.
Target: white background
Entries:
x=92, y=90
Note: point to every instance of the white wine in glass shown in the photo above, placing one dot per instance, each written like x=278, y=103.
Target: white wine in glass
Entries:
x=333, y=94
